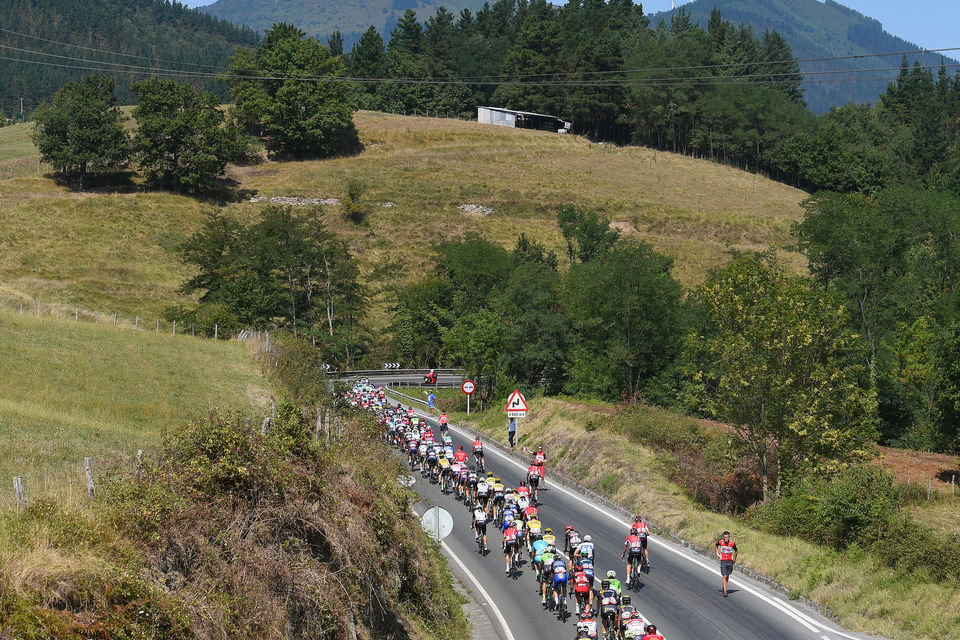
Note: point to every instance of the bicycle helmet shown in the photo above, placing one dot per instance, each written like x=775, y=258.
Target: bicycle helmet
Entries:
x=569, y=527
x=625, y=601
x=604, y=584
x=587, y=538
x=548, y=531
x=489, y=474
x=612, y=574
x=637, y=519
x=540, y=448
x=586, y=613
x=651, y=628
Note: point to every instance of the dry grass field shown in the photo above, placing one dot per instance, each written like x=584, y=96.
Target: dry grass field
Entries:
x=118, y=251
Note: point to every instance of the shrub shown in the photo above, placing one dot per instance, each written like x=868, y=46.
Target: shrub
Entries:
x=856, y=506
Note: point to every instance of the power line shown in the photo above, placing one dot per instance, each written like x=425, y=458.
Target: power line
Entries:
x=725, y=65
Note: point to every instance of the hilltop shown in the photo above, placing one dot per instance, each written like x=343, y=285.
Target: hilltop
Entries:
x=320, y=19
x=119, y=251
x=817, y=29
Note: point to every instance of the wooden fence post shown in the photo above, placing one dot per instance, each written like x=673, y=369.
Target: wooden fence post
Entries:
x=216, y=330
x=18, y=489
x=76, y=314
x=88, y=468
x=174, y=327
x=136, y=323
x=114, y=318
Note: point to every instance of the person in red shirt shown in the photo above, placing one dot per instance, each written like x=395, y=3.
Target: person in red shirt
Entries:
x=634, y=546
x=461, y=455
x=523, y=490
x=726, y=550
x=539, y=458
x=652, y=633
x=443, y=420
x=511, y=544
x=529, y=513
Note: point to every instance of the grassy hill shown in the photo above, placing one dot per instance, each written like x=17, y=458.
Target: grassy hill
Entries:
x=118, y=251
x=74, y=389
x=815, y=30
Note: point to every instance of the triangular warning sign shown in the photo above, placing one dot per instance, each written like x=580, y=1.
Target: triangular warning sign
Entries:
x=517, y=402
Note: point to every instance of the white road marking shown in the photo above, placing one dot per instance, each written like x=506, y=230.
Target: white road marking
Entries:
x=486, y=596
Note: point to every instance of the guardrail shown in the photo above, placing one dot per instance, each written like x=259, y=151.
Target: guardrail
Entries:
x=407, y=398
x=401, y=372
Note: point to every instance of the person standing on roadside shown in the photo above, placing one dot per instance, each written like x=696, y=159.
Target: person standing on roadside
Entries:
x=726, y=550
x=512, y=431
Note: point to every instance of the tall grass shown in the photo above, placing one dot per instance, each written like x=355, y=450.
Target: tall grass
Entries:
x=70, y=390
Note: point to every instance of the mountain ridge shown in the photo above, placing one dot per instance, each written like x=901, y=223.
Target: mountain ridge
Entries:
x=817, y=29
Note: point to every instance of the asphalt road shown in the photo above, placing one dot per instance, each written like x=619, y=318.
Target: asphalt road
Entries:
x=681, y=595
x=396, y=379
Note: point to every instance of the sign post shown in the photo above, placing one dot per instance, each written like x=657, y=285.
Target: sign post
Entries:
x=468, y=387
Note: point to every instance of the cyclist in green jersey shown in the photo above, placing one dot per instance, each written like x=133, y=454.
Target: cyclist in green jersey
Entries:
x=546, y=562
x=614, y=583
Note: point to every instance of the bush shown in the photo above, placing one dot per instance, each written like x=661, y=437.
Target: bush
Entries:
x=856, y=506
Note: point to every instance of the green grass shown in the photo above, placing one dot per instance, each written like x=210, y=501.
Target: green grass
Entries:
x=118, y=251
x=16, y=143
x=861, y=593
x=70, y=390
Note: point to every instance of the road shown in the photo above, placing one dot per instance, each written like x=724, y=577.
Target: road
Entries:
x=681, y=595
x=389, y=378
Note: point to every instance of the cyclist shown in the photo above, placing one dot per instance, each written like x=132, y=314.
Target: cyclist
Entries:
x=479, y=524
x=614, y=583
x=652, y=633
x=546, y=571
x=510, y=545
x=483, y=494
x=609, y=607
x=582, y=564
x=460, y=455
x=572, y=538
x=443, y=420
x=444, y=472
x=498, y=490
x=559, y=581
x=534, y=532
x=472, y=481
x=632, y=624
x=587, y=625
x=533, y=478
x=582, y=591
x=478, y=452
x=632, y=548
x=726, y=550
x=549, y=537
x=642, y=531
x=585, y=549
x=536, y=553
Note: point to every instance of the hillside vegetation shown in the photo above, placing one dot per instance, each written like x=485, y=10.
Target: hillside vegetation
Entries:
x=119, y=251
x=75, y=389
x=86, y=33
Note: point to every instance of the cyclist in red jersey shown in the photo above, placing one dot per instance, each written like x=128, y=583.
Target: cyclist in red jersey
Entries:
x=652, y=633
x=461, y=455
x=443, y=420
x=533, y=477
x=640, y=529
x=726, y=550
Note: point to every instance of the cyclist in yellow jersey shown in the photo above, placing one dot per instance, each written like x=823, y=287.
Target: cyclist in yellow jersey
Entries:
x=444, y=467
x=549, y=538
x=534, y=533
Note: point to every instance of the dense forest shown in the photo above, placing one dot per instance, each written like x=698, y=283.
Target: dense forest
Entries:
x=79, y=36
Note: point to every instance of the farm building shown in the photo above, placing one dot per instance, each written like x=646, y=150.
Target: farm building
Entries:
x=521, y=119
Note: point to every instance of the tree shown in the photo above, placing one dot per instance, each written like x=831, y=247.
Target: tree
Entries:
x=587, y=234
x=335, y=43
x=181, y=139
x=82, y=130
x=777, y=362
x=309, y=117
x=625, y=309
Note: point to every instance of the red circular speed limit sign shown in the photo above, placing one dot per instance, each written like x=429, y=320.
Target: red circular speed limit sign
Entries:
x=468, y=387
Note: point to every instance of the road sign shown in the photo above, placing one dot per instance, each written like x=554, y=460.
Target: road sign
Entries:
x=437, y=522
x=468, y=387
x=517, y=405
